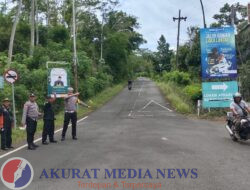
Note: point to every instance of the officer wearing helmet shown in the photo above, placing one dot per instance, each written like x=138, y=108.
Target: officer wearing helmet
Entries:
x=240, y=109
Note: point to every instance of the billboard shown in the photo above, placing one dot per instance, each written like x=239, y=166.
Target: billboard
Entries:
x=58, y=82
x=218, y=94
x=218, y=54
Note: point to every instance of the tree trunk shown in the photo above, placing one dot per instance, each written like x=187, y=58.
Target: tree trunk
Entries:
x=32, y=27
x=13, y=32
x=37, y=24
x=74, y=45
x=48, y=13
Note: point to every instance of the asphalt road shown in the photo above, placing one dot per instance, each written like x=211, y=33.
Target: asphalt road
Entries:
x=139, y=130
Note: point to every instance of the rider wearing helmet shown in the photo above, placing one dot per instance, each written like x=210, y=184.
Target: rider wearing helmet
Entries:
x=240, y=109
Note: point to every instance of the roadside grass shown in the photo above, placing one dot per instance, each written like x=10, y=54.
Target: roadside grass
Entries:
x=176, y=98
x=96, y=102
x=183, y=104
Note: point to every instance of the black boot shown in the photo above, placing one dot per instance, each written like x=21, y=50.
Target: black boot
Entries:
x=34, y=145
x=45, y=143
x=30, y=147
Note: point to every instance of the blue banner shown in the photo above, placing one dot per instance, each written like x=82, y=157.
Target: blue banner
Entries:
x=218, y=54
x=218, y=94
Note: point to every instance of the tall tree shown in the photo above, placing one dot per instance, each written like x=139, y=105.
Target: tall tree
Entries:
x=163, y=55
x=32, y=27
x=37, y=23
x=225, y=17
x=13, y=32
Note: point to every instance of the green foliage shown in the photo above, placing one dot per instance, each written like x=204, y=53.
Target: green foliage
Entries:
x=177, y=77
x=116, y=53
x=224, y=17
x=59, y=34
x=120, y=41
x=194, y=92
x=163, y=56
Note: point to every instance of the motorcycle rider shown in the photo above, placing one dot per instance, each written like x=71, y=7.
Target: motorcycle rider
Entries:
x=130, y=82
x=240, y=109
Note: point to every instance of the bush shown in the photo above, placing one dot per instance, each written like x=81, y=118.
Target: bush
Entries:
x=103, y=81
x=178, y=77
x=87, y=87
x=194, y=92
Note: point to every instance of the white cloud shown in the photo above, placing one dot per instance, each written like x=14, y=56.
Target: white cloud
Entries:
x=156, y=17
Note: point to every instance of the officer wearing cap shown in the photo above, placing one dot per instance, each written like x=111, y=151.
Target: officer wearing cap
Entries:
x=30, y=117
x=70, y=102
x=49, y=121
x=6, y=126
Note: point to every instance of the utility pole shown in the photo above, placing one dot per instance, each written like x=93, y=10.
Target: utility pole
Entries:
x=102, y=38
x=103, y=10
x=203, y=12
x=74, y=45
x=178, y=35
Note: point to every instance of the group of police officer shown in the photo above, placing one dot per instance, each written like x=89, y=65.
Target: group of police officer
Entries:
x=31, y=115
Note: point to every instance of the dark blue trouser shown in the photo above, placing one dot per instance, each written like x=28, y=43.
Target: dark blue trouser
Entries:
x=48, y=129
x=67, y=118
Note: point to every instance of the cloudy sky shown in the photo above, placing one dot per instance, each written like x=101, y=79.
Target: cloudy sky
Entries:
x=156, y=17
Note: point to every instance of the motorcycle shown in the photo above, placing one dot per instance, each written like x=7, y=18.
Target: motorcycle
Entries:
x=130, y=85
x=244, y=132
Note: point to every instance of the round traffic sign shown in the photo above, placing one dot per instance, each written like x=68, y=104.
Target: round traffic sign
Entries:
x=11, y=76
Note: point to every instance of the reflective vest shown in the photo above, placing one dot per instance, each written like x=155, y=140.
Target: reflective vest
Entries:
x=1, y=121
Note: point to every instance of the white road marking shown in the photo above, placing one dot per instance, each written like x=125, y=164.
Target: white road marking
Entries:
x=37, y=140
x=130, y=113
x=141, y=89
x=164, y=138
x=144, y=115
x=139, y=94
x=147, y=104
x=162, y=106
x=153, y=101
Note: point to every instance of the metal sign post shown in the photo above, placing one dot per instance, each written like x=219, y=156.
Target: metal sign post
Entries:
x=13, y=102
x=11, y=77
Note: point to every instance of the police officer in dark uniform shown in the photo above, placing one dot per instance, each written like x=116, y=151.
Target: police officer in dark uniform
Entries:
x=49, y=121
x=6, y=130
